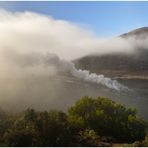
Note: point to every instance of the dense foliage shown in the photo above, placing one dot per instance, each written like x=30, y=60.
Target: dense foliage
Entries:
x=108, y=118
x=90, y=122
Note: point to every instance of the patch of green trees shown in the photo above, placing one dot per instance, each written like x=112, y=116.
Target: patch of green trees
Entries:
x=89, y=122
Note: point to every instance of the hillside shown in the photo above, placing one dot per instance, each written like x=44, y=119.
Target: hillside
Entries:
x=119, y=65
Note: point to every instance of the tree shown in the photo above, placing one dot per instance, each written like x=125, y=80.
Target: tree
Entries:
x=22, y=132
x=53, y=128
x=89, y=122
x=39, y=129
x=6, y=121
x=108, y=118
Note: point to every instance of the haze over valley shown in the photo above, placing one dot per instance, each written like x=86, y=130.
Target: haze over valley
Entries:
x=54, y=63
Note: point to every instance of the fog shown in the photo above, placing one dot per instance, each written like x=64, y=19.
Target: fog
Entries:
x=27, y=32
x=36, y=52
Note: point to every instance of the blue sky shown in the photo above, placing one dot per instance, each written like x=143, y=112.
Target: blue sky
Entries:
x=104, y=18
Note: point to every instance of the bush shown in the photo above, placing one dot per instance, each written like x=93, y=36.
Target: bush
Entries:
x=108, y=118
x=89, y=138
x=90, y=122
x=39, y=129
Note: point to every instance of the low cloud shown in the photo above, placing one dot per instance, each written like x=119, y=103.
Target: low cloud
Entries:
x=35, y=44
x=27, y=32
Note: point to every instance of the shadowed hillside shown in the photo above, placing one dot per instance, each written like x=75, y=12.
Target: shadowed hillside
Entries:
x=117, y=64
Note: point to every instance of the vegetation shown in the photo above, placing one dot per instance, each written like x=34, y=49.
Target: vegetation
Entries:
x=109, y=119
x=90, y=122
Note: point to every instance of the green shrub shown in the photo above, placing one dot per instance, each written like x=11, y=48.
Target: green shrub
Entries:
x=108, y=118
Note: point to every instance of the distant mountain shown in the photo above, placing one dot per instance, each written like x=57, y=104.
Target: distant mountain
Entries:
x=119, y=65
x=139, y=33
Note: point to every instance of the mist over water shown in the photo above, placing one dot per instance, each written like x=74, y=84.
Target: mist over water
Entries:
x=52, y=61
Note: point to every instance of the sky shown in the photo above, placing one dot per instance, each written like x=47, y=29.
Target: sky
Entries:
x=104, y=18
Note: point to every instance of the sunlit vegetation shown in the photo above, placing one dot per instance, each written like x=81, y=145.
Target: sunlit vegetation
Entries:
x=89, y=122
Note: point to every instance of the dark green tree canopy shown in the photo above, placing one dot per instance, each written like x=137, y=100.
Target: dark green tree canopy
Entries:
x=108, y=118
